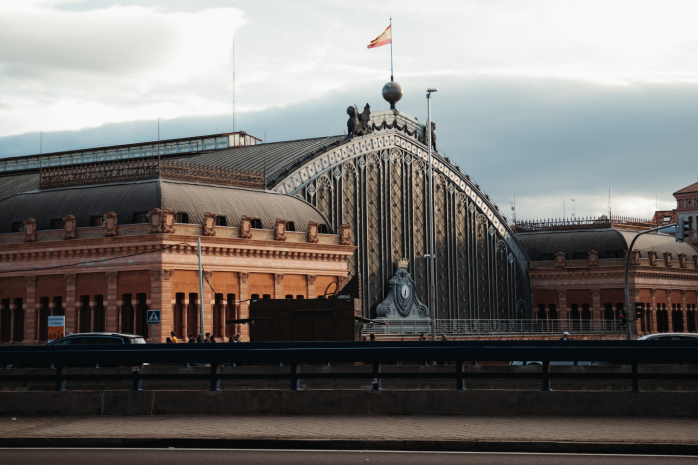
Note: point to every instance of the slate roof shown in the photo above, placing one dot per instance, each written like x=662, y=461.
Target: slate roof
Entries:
x=142, y=196
x=688, y=190
x=601, y=240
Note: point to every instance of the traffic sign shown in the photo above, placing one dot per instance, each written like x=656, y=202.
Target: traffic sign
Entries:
x=153, y=317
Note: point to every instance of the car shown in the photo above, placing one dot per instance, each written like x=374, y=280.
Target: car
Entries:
x=539, y=363
x=670, y=337
x=98, y=339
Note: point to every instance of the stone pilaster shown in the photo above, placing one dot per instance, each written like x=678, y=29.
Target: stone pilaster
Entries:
x=670, y=312
x=634, y=296
x=596, y=311
x=653, y=304
x=30, y=316
x=563, y=311
x=70, y=311
x=206, y=304
x=278, y=286
x=113, y=320
x=684, y=311
x=161, y=299
x=311, y=286
x=244, y=310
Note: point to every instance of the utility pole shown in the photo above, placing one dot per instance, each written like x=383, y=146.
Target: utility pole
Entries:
x=201, y=288
x=431, y=262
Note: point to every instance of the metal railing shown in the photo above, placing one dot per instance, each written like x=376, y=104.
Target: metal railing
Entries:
x=494, y=327
x=295, y=355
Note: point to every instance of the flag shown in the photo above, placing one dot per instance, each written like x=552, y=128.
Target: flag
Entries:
x=383, y=39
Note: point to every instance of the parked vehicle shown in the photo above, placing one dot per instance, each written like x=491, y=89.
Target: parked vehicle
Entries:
x=670, y=337
x=538, y=363
x=98, y=338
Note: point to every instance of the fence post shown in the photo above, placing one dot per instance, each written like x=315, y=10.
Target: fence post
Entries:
x=137, y=382
x=295, y=380
x=460, y=381
x=215, y=382
x=376, y=376
x=636, y=380
x=60, y=381
x=546, y=376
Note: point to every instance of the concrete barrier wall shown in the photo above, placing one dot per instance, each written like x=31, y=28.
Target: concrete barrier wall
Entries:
x=351, y=402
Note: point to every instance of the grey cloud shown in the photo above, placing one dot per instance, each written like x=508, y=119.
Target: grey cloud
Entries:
x=541, y=138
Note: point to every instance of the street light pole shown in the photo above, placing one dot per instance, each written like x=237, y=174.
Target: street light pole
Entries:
x=631, y=314
x=431, y=262
x=201, y=289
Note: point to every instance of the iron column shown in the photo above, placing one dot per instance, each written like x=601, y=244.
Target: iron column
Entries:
x=431, y=263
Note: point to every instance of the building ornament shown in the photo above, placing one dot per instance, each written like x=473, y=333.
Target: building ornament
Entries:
x=313, y=232
x=345, y=234
x=280, y=229
x=593, y=258
x=244, y=277
x=342, y=281
x=162, y=220
x=209, y=224
x=112, y=277
x=560, y=260
x=208, y=276
x=69, y=229
x=635, y=257
x=70, y=279
x=634, y=292
x=562, y=293
x=682, y=260
x=246, y=227
x=278, y=279
x=653, y=257
x=30, y=280
x=653, y=292
x=683, y=294
x=667, y=259
x=402, y=300
x=596, y=293
x=29, y=230
x=359, y=124
x=311, y=279
x=109, y=224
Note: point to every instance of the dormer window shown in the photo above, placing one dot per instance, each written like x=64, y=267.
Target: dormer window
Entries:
x=182, y=218
x=256, y=223
x=290, y=226
x=97, y=221
x=221, y=221
x=57, y=223
x=322, y=229
x=18, y=226
x=141, y=217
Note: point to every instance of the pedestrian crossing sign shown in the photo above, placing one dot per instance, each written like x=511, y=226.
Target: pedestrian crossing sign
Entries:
x=153, y=317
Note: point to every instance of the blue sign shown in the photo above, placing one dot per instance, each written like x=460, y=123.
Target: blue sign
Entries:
x=153, y=317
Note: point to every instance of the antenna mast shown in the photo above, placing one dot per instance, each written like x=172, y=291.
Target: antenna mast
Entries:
x=233, y=85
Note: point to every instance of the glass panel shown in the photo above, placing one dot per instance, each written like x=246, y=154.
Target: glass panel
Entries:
x=134, y=152
x=99, y=155
x=111, y=154
x=66, y=159
x=88, y=157
x=77, y=158
x=221, y=142
x=53, y=161
x=253, y=141
x=183, y=147
x=33, y=162
x=10, y=165
x=21, y=164
x=2, y=166
x=146, y=151
x=171, y=148
x=209, y=144
x=123, y=153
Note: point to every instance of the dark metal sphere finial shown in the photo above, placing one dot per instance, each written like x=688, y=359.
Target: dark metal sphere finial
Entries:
x=392, y=93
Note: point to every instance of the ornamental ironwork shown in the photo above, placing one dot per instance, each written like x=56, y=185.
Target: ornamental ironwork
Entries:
x=148, y=168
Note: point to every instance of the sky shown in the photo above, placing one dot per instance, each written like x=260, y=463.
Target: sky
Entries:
x=541, y=101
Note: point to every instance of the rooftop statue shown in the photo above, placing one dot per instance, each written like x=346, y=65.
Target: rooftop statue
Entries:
x=402, y=301
x=423, y=139
x=359, y=124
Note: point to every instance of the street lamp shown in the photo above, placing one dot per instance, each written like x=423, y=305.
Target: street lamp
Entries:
x=431, y=262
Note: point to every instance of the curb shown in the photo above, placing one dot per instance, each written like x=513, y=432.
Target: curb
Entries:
x=361, y=444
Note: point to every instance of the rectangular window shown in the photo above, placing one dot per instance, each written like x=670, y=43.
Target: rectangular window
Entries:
x=97, y=220
x=56, y=223
x=322, y=229
x=615, y=254
x=18, y=226
x=547, y=256
x=256, y=223
x=182, y=218
x=220, y=221
x=579, y=255
x=290, y=226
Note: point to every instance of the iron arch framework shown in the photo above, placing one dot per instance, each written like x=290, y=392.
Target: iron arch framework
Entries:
x=378, y=184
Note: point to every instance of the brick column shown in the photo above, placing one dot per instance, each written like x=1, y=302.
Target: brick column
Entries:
x=206, y=304
x=596, y=310
x=670, y=312
x=653, y=292
x=311, y=286
x=244, y=311
x=278, y=286
x=30, y=316
x=161, y=299
x=684, y=311
x=562, y=311
x=113, y=322
x=70, y=317
x=634, y=296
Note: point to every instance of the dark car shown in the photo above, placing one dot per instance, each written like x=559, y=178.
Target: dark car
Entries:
x=670, y=337
x=98, y=338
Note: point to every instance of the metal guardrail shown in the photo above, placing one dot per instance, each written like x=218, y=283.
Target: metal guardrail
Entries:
x=494, y=327
x=378, y=352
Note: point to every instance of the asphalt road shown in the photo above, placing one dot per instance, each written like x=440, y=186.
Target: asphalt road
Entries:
x=293, y=457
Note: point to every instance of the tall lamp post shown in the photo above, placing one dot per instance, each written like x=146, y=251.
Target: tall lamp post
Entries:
x=431, y=263
x=631, y=312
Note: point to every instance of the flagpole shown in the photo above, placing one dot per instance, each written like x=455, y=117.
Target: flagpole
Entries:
x=391, y=49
